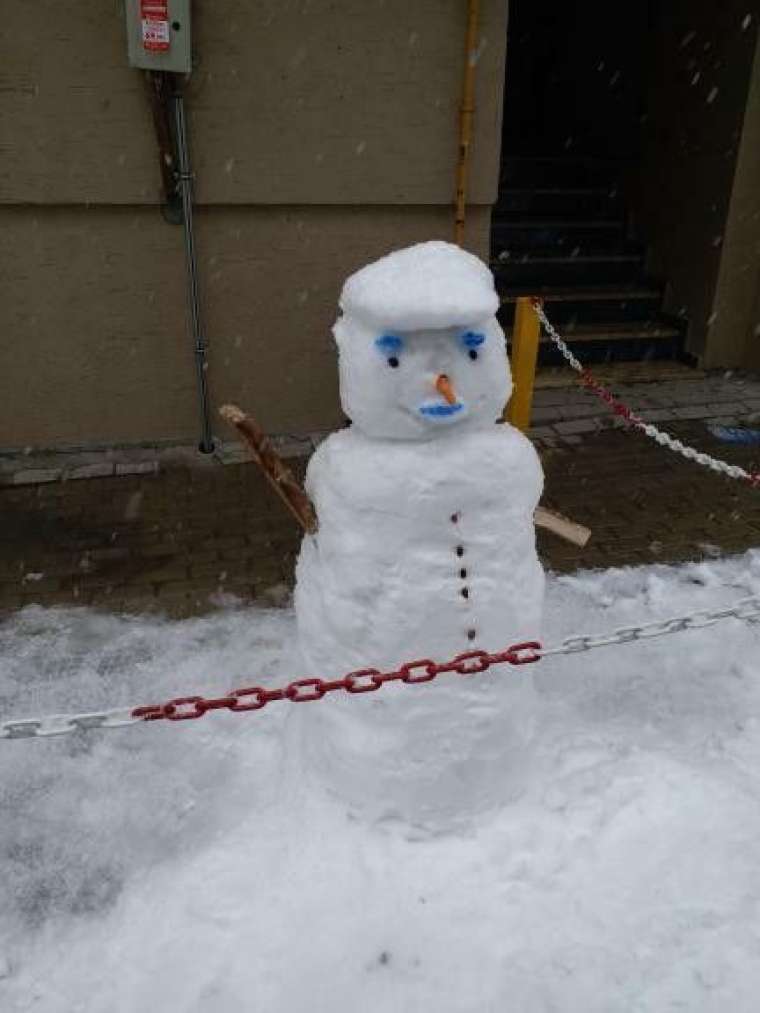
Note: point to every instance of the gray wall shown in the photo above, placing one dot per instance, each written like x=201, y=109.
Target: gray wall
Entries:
x=734, y=334
x=322, y=136
x=701, y=63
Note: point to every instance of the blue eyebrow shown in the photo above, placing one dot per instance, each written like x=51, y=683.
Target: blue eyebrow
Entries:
x=389, y=343
x=473, y=340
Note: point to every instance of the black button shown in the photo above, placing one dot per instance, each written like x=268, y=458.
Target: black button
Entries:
x=460, y=550
x=471, y=634
x=465, y=592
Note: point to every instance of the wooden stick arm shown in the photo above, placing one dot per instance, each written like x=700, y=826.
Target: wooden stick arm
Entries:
x=232, y=414
x=277, y=473
x=562, y=526
x=295, y=499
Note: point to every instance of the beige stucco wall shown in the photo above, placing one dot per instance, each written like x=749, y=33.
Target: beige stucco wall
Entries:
x=96, y=347
x=700, y=68
x=322, y=136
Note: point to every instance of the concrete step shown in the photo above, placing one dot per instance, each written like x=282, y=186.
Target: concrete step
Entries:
x=523, y=269
x=566, y=170
x=613, y=341
x=557, y=294
x=556, y=234
x=585, y=304
x=558, y=202
x=661, y=371
x=653, y=330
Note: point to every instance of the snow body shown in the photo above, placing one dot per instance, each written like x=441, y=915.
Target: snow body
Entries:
x=381, y=584
x=426, y=543
x=404, y=529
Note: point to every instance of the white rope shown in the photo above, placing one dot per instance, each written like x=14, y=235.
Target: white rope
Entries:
x=658, y=435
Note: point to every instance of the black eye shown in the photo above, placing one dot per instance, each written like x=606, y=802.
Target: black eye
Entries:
x=473, y=354
x=393, y=362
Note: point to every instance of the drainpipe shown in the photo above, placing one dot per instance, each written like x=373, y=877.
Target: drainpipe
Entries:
x=184, y=178
x=466, y=111
x=159, y=89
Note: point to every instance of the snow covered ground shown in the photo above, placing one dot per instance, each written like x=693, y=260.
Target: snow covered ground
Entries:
x=199, y=867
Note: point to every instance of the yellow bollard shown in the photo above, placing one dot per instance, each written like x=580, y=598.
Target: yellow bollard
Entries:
x=525, y=335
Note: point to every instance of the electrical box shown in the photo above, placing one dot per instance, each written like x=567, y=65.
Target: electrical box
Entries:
x=158, y=35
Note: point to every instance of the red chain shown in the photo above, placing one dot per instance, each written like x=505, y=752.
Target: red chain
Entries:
x=589, y=381
x=365, y=680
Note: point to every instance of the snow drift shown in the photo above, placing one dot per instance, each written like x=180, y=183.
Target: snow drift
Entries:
x=203, y=868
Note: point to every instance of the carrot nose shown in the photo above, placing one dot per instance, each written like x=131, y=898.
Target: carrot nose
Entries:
x=444, y=388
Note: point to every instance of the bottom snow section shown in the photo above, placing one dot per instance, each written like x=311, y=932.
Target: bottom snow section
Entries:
x=205, y=866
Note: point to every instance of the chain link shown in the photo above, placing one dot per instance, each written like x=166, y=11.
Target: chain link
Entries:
x=369, y=680
x=65, y=724
x=619, y=408
x=365, y=680
x=747, y=609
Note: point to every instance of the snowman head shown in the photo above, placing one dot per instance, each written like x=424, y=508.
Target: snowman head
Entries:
x=421, y=352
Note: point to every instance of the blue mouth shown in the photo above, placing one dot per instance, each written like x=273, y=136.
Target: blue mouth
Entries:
x=440, y=411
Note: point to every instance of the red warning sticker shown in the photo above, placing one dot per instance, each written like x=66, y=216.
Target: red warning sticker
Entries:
x=154, y=16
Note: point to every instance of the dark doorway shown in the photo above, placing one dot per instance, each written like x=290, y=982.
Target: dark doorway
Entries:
x=574, y=120
x=575, y=81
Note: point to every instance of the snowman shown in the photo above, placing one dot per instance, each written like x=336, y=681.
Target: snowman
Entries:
x=425, y=545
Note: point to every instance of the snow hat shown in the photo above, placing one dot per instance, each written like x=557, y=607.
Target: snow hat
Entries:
x=428, y=286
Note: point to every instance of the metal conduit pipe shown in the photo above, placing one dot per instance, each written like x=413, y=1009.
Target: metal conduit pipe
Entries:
x=185, y=187
x=466, y=112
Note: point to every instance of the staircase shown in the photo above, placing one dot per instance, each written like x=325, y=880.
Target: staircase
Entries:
x=559, y=230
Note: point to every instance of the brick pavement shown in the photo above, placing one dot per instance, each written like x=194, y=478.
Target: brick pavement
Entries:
x=678, y=394
x=645, y=504
x=172, y=541
x=181, y=539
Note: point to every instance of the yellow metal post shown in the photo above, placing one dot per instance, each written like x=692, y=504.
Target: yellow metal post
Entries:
x=525, y=335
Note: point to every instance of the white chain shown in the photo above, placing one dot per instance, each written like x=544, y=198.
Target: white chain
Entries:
x=64, y=724
x=664, y=439
x=747, y=609
x=557, y=339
